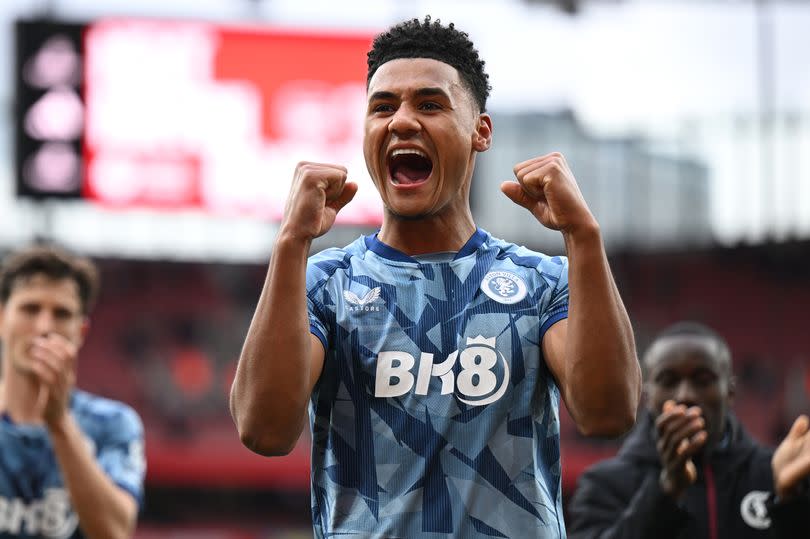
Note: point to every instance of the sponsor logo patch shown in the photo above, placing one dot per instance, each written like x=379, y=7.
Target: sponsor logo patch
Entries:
x=482, y=379
x=357, y=303
x=50, y=517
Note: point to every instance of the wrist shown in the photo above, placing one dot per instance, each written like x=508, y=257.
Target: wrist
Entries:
x=669, y=487
x=58, y=425
x=290, y=236
x=586, y=234
x=786, y=494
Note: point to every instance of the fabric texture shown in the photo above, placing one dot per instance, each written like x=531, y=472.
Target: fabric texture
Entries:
x=435, y=414
x=33, y=499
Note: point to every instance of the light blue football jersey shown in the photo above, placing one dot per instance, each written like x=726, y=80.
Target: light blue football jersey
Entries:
x=436, y=414
x=33, y=499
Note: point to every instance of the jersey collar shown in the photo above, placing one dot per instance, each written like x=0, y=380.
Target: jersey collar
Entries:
x=374, y=244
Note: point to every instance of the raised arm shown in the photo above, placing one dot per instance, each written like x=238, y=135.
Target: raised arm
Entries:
x=592, y=355
x=281, y=360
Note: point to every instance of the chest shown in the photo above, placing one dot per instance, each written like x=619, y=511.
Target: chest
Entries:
x=733, y=502
x=33, y=500
x=27, y=465
x=440, y=342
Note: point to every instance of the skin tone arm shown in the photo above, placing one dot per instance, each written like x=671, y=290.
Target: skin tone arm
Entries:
x=592, y=353
x=281, y=360
x=791, y=461
x=105, y=511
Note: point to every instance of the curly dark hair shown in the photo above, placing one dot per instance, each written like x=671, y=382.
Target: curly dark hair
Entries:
x=53, y=263
x=429, y=39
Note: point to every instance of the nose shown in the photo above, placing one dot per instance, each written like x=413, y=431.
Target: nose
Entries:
x=44, y=323
x=404, y=123
x=685, y=394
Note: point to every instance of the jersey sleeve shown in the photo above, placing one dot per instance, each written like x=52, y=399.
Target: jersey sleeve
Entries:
x=316, y=325
x=121, y=455
x=554, y=301
x=317, y=297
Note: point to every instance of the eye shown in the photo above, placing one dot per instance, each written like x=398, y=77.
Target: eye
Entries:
x=29, y=308
x=62, y=314
x=430, y=106
x=666, y=380
x=704, y=378
x=382, y=108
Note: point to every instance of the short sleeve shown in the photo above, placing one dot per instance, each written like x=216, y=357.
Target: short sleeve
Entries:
x=121, y=454
x=316, y=325
x=554, y=271
x=316, y=281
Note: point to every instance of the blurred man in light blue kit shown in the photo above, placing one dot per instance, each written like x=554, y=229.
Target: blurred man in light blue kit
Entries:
x=71, y=463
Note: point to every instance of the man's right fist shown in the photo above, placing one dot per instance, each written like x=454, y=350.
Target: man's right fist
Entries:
x=318, y=192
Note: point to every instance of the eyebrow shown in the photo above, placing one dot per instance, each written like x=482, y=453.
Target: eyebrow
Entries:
x=427, y=92
x=692, y=372
x=381, y=95
x=421, y=92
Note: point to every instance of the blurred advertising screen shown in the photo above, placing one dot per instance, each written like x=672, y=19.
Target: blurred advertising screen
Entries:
x=48, y=109
x=191, y=115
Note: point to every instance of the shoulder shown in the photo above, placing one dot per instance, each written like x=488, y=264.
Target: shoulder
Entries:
x=635, y=459
x=754, y=463
x=96, y=413
x=323, y=265
x=746, y=451
x=614, y=478
x=608, y=470
x=528, y=259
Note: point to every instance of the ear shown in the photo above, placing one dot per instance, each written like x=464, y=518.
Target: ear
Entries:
x=483, y=133
x=732, y=389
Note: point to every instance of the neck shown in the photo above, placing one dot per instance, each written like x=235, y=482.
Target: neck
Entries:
x=20, y=397
x=431, y=234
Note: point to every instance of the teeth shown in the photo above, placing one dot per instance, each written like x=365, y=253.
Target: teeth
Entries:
x=408, y=151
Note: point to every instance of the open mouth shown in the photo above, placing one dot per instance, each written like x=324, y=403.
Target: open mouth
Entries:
x=409, y=166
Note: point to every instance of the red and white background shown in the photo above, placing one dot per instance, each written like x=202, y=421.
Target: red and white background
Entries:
x=193, y=115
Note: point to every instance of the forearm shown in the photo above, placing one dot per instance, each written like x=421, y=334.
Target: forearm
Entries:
x=105, y=510
x=271, y=387
x=602, y=369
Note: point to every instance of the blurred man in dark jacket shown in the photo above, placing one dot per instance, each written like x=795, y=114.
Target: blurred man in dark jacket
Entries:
x=689, y=470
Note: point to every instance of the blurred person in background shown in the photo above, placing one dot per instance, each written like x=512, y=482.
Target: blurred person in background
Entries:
x=71, y=463
x=433, y=355
x=689, y=470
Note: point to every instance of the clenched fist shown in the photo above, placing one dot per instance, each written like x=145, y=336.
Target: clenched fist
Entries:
x=318, y=192
x=546, y=187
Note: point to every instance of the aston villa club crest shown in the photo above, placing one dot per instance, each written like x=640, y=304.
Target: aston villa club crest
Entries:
x=504, y=287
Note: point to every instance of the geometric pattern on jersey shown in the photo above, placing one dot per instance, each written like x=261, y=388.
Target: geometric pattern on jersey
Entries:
x=435, y=414
x=33, y=498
